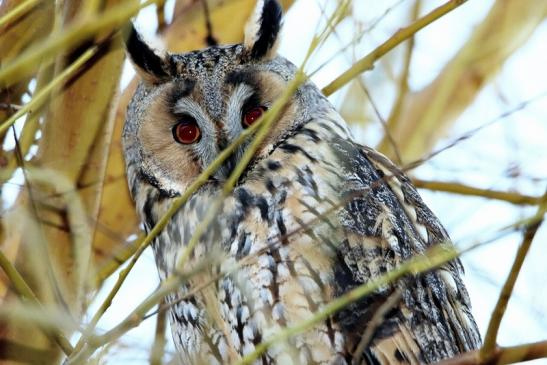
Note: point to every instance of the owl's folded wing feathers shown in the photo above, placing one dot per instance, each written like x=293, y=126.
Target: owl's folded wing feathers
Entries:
x=386, y=224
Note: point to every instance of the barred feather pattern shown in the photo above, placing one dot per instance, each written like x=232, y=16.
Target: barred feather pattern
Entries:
x=319, y=216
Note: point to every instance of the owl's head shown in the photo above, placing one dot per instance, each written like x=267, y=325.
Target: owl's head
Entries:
x=189, y=107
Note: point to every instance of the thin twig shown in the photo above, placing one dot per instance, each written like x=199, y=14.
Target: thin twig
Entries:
x=10, y=106
x=394, y=116
x=117, y=260
x=472, y=132
x=367, y=62
x=462, y=189
x=31, y=125
x=375, y=322
x=490, y=339
x=356, y=39
x=382, y=121
x=158, y=348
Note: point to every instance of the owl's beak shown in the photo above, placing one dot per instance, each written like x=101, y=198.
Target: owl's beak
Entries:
x=228, y=166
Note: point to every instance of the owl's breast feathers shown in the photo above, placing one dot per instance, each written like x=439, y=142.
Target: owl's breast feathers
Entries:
x=316, y=218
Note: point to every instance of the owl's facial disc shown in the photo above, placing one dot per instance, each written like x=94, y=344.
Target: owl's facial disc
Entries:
x=194, y=119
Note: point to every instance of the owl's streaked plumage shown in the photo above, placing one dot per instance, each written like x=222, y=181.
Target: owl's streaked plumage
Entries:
x=321, y=213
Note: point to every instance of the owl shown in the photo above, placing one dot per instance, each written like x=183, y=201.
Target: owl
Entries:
x=313, y=216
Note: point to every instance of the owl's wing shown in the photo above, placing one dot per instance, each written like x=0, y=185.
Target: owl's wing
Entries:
x=386, y=224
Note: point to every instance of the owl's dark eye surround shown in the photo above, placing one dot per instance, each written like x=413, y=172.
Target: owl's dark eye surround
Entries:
x=187, y=131
x=252, y=115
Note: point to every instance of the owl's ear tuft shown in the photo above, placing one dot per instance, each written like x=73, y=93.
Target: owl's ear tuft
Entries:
x=151, y=66
x=262, y=29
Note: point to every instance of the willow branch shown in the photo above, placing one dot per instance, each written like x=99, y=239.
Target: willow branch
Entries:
x=69, y=37
x=427, y=113
x=402, y=92
x=43, y=94
x=489, y=346
x=462, y=189
x=18, y=11
x=374, y=323
x=25, y=292
x=502, y=355
x=432, y=258
x=117, y=260
x=367, y=62
x=158, y=348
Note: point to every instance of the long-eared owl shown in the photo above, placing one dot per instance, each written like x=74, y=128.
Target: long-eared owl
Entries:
x=313, y=216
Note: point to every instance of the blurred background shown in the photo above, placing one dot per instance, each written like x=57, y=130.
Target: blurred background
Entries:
x=471, y=86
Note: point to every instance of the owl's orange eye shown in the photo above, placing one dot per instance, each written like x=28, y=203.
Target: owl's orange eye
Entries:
x=187, y=132
x=252, y=115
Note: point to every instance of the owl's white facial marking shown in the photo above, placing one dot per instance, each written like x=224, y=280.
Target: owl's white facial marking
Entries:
x=241, y=94
x=206, y=147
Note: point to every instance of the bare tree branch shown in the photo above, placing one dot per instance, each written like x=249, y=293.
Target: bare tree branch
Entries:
x=428, y=113
x=488, y=349
x=502, y=355
x=462, y=189
x=367, y=62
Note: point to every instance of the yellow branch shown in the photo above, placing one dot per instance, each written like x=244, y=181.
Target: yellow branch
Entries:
x=367, y=62
x=18, y=11
x=488, y=350
x=25, y=292
x=43, y=94
x=67, y=38
x=502, y=355
x=457, y=188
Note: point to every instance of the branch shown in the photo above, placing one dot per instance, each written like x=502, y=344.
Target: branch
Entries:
x=367, y=62
x=488, y=349
x=158, y=348
x=428, y=113
x=43, y=95
x=462, y=189
x=18, y=11
x=69, y=37
x=119, y=258
x=502, y=355
x=402, y=91
x=25, y=292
